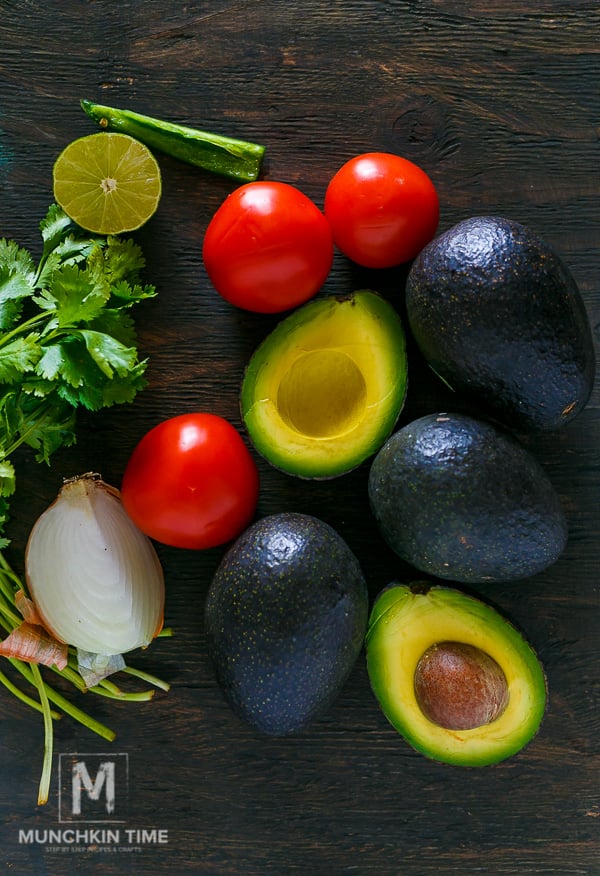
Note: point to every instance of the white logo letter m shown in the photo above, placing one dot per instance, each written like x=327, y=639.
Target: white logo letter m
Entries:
x=105, y=778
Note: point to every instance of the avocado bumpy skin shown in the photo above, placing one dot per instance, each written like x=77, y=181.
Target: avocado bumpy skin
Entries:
x=408, y=619
x=285, y=615
x=498, y=316
x=461, y=499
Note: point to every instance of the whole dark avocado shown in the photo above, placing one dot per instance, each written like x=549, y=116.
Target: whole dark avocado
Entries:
x=286, y=615
x=498, y=316
x=461, y=499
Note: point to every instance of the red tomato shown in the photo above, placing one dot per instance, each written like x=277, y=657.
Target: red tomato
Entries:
x=191, y=482
x=382, y=209
x=268, y=247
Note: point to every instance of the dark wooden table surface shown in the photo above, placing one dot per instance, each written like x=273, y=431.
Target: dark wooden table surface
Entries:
x=500, y=104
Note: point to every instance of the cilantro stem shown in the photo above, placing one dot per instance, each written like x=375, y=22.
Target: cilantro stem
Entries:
x=66, y=705
x=105, y=688
x=149, y=679
x=18, y=693
x=22, y=328
x=8, y=572
x=44, y=787
x=13, y=618
x=139, y=697
x=72, y=676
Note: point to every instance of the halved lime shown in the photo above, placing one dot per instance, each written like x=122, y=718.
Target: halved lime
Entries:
x=107, y=183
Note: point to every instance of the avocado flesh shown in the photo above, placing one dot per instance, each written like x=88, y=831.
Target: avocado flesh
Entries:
x=286, y=614
x=498, y=316
x=461, y=499
x=407, y=620
x=326, y=387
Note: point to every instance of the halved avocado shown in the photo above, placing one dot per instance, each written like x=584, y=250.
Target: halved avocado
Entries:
x=325, y=388
x=405, y=622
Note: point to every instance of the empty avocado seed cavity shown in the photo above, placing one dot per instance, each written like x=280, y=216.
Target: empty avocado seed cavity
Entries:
x=460, y=687
x=323, y=394
x=324, y=390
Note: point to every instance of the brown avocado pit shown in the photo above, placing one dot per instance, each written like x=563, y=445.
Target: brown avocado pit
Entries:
x=460, y=687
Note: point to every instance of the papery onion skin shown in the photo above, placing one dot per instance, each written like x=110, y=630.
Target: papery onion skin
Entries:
x=34, y=644
x=95, y=579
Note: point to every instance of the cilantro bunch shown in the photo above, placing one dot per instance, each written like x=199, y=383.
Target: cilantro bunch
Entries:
x=67, y=338
x=67, y=341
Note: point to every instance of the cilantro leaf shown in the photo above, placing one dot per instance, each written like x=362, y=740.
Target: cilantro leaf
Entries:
x=54, y=227
x=7, y=477
x=9, y=419
x=108, y=353
x=74, y=295
x=69, y=252
x=123, y=259
x=89, y=397
x=84, y=367
x=37, y=386
x=117, y=322
x=4, y=506
x=17, y=263
x=68, y=362
x=14, y=284
x=64, y=243
x=47, y=426
x=122, y=390
x=19, y=356
x=10, y=311
x=17, y=279
x=132, y=293
x=55, y=362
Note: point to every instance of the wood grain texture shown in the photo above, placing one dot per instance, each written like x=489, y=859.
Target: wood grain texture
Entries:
x=499, y=103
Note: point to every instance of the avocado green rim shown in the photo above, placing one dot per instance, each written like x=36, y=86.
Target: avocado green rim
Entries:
x=376, y=307
x=391, y=613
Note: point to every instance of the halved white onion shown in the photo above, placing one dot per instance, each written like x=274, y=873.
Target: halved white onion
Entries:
x=95, y=579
